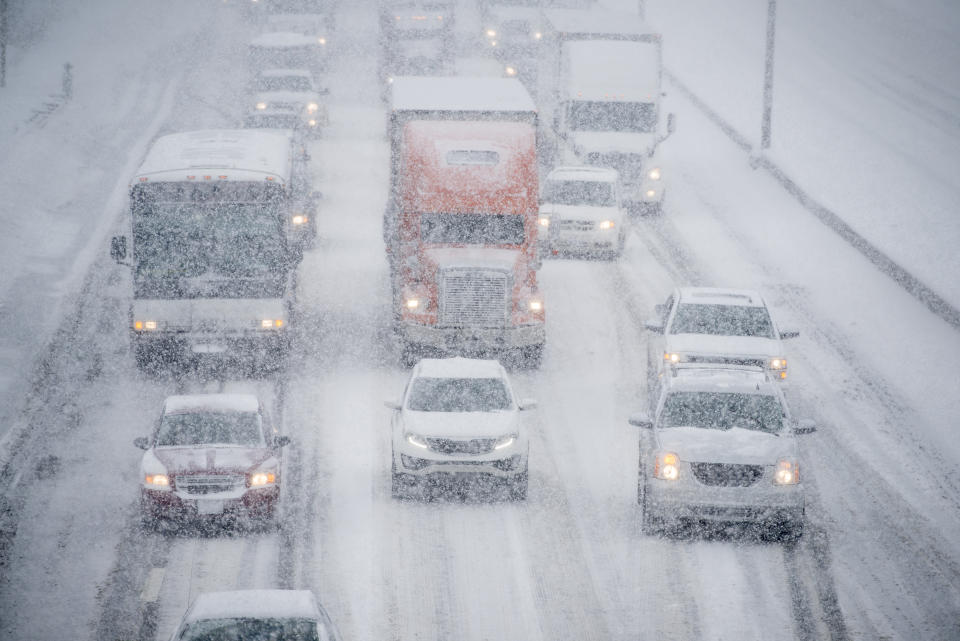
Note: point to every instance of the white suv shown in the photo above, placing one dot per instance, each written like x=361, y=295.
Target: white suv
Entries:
x=459, y=418
x=721, y=448
x=580, y=211
x=719, y=326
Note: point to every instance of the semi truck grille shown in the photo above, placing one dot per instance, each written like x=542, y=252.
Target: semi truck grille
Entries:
x=727, y=474
x=473, y=298
x=453, y=446
x=209, y=483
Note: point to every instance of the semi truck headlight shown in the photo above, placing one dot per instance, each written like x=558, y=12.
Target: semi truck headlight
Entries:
x=417, y=441
x=654, y=173
x=412, y=303
x=787, y=473
x=261, y=106
x=607, y=224
x=666, y=466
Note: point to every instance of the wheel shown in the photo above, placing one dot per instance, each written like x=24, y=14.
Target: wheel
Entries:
x=518, y=487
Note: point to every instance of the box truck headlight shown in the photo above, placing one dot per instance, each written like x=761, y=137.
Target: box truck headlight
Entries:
x=536, y=305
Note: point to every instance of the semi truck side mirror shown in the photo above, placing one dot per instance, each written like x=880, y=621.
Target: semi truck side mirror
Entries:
x=118, y=248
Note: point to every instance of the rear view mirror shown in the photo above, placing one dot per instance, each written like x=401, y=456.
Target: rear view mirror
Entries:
x=640, y=420
x=654, y=325
x=118, y=248
x=393, y=404
x=805, y=426
x=142, y=442
x=526, y=404
x=789, y=333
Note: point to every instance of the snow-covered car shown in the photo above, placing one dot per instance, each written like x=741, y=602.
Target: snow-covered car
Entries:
x=308, y=24
x=721, y=448
x=211, y=455
x=580, y=211
x=245, y=615
x=459, y=417
x=287, y=49
x=288, y=99
x=712, y=325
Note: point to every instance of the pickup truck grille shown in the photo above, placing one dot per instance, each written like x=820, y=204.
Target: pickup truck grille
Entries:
x=727, y=474
x=473, y=298
x=209, y=483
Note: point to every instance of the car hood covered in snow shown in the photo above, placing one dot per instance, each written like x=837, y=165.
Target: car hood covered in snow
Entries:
x=708, y=345
x=461, y=425
x=212, y=458
x=735, y=446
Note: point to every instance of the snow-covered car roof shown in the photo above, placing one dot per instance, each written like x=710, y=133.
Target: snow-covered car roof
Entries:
x=584, y=172
x=459, y=367
x=719, y=378
x=583, y=22
x=284, y=39
x=285, y=73
x=458, y=93
x=278, y=604
x=211, y=403
x=721, y=296
x=233, y=153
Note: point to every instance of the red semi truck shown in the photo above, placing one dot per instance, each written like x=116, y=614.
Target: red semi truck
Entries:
x=461, y=224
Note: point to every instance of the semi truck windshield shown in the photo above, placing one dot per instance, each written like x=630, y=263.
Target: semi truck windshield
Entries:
x=636, y=117
x=472, y=229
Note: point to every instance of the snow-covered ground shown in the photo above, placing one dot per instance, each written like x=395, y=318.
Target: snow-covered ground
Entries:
x=872, y=366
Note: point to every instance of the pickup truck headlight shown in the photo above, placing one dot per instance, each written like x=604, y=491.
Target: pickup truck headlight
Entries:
x=607, y=224
x=787, y=473
x=156, y=481
x=263, y=478
x=416, y=440
x=505, y=441
x=654, y=174
x=666, y=466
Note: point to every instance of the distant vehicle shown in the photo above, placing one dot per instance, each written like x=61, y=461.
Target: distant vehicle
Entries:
x=287, y=50
x=416, y=39
x=719, y=326
x=288, y=99
x=459, y=418
x=249, y=615
x=211, y=455
x=599, y=96
x=580, y=212
x=513, y=34
x=721, y=448
x=315, y=25
x=213, y=219
x=461, y=221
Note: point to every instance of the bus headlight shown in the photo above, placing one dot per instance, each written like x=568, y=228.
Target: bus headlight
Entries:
x=544, y=221
x=535, y=305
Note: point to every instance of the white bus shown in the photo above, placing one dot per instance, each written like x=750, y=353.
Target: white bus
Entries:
x=213, y=262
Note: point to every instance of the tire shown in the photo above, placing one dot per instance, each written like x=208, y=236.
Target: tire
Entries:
x=518, y=486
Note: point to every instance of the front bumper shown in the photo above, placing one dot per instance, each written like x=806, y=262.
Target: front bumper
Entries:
x=175, y=505
x=259, y=346
x=687, y=499
x=421, y=463
x=472, y=339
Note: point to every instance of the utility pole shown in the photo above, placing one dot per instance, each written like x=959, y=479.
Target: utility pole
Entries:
x=768, y=76
x=3, y=43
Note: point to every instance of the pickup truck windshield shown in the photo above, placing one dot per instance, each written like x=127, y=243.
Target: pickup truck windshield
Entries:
x=210, y=428
x=579, y=192
x=722, y=411
x=472, y=229
x=722, y=320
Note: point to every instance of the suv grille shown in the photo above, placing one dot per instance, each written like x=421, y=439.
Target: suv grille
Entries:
x=473, y=298
x=451, y=446
x=727, y=474
x=728, y=360
x=209, y=483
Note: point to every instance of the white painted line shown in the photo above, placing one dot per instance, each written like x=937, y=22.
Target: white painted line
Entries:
x=151, y=587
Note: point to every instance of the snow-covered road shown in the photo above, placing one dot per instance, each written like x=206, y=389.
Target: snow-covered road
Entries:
x=872, y=365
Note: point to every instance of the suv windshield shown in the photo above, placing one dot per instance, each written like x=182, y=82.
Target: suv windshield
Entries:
x=248, y=629
x=210, y=428
x=472, y=229
x=283, y=83
x=458, y=395
x=722, y=320
x=579, y=192
x=722, y=411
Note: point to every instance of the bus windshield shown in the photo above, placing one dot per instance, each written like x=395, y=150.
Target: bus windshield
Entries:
x=208, y=249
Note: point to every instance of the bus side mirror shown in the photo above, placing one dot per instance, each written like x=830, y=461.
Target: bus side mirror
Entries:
x=118, y=248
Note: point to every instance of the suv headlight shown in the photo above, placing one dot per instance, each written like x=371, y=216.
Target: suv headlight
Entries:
x=666, y=466
x=156, y=481
x=262, y=478
x=416, y=440
x=654, y=174
x=787, y=473
x=505, y=441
